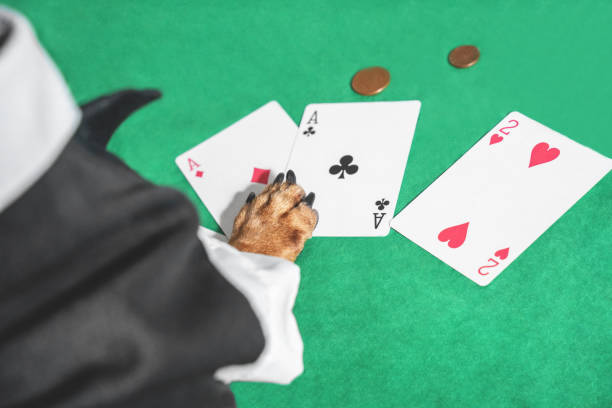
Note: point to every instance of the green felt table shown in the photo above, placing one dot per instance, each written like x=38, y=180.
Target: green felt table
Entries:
x=384, y=323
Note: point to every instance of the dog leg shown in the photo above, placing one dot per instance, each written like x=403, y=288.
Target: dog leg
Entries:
x=276, y=222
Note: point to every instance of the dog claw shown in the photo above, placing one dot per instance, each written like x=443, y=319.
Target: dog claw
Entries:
x=276, y=222
x=279, y=179
x=309, y=199
x=290, y=177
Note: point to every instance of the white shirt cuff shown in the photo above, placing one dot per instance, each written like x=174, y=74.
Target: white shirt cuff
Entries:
x=270, y=284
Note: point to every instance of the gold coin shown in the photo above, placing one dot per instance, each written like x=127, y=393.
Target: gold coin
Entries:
x=370, y=81
x=464, y=56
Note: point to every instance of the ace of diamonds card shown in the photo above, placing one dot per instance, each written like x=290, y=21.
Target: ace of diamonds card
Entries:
x=241, y=159
x=497, y=199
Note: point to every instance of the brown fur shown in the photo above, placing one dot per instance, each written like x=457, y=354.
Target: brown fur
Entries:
x=277, y=222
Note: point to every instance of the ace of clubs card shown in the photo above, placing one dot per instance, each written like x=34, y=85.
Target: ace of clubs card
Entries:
x=353, y=156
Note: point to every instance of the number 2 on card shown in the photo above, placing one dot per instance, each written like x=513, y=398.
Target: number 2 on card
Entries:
x=481, y=269
x=507, y=132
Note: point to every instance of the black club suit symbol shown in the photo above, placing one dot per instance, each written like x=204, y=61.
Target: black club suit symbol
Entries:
x=382, y=203
x=345, y=166
x=309, y=132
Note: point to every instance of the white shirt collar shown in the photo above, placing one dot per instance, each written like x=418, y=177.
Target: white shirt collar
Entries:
x=38, y=115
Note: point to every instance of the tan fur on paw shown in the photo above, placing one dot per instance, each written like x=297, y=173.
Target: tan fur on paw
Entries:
x=276, y=222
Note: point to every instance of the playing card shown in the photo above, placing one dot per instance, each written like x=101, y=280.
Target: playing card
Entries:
x=353, y=156
x=497, y=199
x=240, y=159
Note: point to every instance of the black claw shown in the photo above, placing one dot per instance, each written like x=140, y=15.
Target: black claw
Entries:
x=290, y=177
x=279, y=179
x=250, y=197
x=309, y=199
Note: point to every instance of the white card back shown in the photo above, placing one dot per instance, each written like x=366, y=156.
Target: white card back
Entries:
x=240, y=159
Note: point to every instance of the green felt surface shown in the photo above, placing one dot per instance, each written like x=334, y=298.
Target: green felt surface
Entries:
x=384, y=323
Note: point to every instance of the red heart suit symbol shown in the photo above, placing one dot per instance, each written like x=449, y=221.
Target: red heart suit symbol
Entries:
x=455, y=235
x=502, y=253
x=495, y=139
x=541, y=153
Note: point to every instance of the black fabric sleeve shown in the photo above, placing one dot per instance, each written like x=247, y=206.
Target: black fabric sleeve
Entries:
x=107, y=297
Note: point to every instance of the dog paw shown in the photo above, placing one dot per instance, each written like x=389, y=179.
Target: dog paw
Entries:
x=276, y=222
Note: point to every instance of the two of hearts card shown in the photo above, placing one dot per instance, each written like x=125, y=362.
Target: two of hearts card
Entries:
x=500, y=196
x=477, y=217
